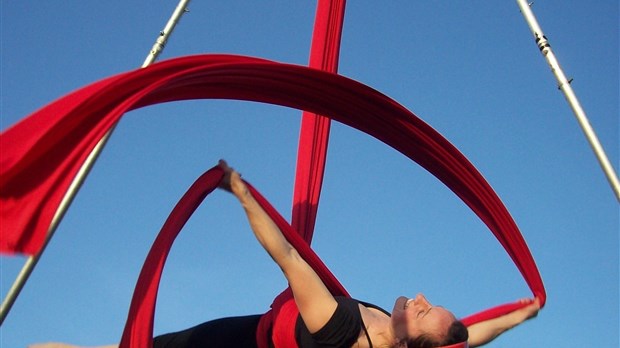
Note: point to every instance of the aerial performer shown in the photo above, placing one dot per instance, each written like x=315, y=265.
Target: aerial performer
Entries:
x=319, y=319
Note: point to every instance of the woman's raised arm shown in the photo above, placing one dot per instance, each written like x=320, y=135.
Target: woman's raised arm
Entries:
x=314, y=301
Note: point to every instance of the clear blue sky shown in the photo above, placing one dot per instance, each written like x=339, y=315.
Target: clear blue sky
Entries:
x=385, y=226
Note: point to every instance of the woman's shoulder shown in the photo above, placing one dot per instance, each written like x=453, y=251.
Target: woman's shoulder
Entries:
x=342, y=329
x=365, y=304
x=347, y=301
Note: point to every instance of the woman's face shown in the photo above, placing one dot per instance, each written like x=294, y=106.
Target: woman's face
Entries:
x=412, y=317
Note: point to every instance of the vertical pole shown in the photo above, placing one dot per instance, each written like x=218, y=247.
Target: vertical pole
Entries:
x=565, y=87
x=80, y=177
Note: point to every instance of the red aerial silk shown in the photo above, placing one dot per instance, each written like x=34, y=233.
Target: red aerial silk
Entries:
x=314, y=133
x=42, y=153
x=139, y=326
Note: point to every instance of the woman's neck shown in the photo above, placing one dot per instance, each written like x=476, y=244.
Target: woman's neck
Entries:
x=379, y=326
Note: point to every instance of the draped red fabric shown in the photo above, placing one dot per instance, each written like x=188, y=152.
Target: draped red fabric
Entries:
x=139, y=326
x=314, y=133
x=138, y=332
x=284, y=325
x=42, y=153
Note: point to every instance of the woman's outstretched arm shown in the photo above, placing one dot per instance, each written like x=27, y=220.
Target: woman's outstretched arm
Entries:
x=314, y=301
x=485, y=331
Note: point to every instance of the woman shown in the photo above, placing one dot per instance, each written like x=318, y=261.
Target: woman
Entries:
x=326, y=321
x=411, y=319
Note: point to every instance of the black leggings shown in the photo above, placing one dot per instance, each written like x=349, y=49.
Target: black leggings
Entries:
x=220, y=333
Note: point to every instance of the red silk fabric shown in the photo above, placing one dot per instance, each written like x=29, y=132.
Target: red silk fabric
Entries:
x=314, y=133
x=138, y=331
x=284, y=325
x=42, y=153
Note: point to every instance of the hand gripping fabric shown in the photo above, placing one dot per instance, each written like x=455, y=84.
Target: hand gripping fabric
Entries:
x=42, y=153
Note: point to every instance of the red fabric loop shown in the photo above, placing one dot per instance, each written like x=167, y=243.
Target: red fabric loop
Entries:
x=138, y=331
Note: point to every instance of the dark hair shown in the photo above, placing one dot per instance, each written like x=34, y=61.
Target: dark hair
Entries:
x=457, y=332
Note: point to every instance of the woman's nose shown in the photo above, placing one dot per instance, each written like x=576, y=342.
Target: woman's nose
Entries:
x=422, y=300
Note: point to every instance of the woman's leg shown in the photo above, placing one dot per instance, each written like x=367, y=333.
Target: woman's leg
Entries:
x=239, y=332
x=220, y=333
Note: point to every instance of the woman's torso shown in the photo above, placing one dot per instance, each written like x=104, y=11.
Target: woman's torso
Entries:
x=344, y=329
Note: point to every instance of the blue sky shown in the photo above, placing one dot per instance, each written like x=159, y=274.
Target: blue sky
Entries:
x=385, y=226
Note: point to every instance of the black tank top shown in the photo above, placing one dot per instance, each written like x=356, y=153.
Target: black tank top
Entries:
x=342, y=329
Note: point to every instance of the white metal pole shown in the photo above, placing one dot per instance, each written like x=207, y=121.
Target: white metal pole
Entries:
x=565, y=87
x=77, y=182
x=160, y=43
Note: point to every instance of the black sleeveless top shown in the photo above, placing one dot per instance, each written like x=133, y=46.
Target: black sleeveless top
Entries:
x=342, y=329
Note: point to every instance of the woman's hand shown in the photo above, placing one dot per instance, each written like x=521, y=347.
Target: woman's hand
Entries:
x=232, y=182
x=484, y=332
x=529, y=311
